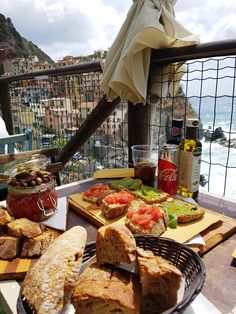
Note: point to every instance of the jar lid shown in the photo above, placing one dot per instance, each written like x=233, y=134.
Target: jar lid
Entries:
x=23, y=164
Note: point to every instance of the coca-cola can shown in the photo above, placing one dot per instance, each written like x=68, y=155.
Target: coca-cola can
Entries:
x=167, y=177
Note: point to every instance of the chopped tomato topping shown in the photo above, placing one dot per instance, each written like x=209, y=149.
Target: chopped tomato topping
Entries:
x=142, y=210
x=134, y=219
x=145, y=215
x=96, y=190
x=144, y=220
x=155, y=212
x=119, y=197
x=130, y=213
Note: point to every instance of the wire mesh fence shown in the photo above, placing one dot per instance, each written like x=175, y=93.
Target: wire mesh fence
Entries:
x=54, y=107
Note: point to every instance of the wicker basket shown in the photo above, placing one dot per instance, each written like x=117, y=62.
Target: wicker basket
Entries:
x=187, y=261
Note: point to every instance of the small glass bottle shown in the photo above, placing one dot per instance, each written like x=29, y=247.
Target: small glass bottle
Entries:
x=176, y=132
x=190, y=150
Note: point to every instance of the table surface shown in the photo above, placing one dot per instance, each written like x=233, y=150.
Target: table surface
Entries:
x=220, y=283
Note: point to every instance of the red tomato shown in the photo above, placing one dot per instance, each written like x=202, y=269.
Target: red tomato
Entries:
x=134, y=219
x=96, y=186
x=130, y=213
x=144, y=220
x=142, y=210
x=120, y=197
x=87, y=193
x=155, y=212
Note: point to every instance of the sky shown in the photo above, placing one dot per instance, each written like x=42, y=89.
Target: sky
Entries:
x=79, y=27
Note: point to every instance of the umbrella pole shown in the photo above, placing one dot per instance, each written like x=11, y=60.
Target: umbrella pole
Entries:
x=138, y=126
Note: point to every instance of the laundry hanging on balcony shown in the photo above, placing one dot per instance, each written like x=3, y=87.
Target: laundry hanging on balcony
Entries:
x=150, y=24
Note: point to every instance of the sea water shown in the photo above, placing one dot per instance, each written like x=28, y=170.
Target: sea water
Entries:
x=218, y=161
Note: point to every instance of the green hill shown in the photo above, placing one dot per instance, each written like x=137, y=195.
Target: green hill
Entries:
x=17, y=45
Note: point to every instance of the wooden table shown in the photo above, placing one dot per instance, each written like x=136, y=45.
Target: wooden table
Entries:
x=220, y=284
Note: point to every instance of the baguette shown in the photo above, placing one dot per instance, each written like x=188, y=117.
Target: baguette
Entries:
x=160, y=282
x=105, y=290
x=48, y=285
x=115, y=244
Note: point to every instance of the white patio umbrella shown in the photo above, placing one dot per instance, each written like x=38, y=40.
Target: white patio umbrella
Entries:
x=150, y=24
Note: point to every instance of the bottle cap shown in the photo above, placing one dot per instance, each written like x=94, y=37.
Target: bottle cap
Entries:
x=192, y=123
x=178, y=123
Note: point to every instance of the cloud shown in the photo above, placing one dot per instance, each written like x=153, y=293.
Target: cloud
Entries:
x=63, y=27
x=78, y=27
x=210, y=19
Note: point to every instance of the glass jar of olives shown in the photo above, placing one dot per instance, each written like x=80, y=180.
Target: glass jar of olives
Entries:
x=31, y=190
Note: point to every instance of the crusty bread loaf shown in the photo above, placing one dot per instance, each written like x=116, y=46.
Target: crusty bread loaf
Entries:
x=24, y=227
x=36, y=246
x=9, y=247
x=115, y=244
x=104, y=290
x=160, y=282
x=5, y=218
x=49, y=283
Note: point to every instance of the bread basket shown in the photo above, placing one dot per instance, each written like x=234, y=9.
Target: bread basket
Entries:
x=188, y=262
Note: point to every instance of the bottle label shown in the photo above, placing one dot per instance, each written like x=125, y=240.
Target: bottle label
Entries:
x=189, y=169
x=167, y=176
x=176, y=131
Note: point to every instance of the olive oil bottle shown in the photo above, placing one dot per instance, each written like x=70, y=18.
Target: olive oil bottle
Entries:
x=190, y=151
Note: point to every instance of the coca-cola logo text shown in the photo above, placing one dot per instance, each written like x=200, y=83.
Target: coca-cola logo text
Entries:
x=168, y=175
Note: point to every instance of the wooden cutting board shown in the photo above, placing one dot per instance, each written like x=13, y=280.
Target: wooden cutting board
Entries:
x=18, y=267
x=182, y=233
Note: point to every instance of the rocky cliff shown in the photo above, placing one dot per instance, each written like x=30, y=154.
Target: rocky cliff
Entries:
x=18, y=46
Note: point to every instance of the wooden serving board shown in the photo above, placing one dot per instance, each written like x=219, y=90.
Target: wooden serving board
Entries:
x=215, y=234
x=18, y=267
x=209, y=226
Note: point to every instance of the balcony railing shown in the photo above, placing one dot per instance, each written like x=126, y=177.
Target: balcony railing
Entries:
x=65, y=107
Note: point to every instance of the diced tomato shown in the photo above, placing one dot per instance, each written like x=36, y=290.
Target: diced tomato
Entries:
x=144, y=220
x=96, y=186
x=109, y=199
x=87, y=193
x=134, y=219
x=120, y=197
x=155, y=212
x=142, y=210
x=130, y=213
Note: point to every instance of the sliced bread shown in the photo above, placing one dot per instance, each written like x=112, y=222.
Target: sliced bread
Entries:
x=184, y=211
x=116, y=204
x=24, y=227
x=143, y=218
x=160, y=282
x=105, y=290
x=115, y=244
x=9, y=247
